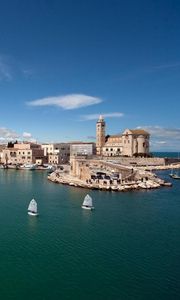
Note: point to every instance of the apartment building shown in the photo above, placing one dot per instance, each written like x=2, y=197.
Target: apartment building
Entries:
x=21, y=153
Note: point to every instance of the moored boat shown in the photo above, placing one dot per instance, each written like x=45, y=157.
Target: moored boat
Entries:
x=28, y=167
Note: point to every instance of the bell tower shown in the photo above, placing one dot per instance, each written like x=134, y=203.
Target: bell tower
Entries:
x=100, y=135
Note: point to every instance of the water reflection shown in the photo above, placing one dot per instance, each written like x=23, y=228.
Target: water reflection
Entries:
x=32, y=223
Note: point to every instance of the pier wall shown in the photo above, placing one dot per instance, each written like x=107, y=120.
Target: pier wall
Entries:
x=83, y=168
x=138, y=161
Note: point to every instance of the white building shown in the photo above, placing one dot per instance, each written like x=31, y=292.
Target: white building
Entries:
x=82, y=148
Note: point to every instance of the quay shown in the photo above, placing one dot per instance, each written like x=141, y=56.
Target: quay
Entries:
x=93, y=173
x=149, y=183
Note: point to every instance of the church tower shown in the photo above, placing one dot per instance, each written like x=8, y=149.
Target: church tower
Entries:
x=100, y=135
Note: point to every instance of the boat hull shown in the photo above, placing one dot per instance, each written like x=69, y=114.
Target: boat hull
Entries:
x=87, y=207
x=174, y=176
x=32, y=213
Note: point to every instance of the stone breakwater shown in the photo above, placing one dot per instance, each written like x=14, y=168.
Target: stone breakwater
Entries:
x=165, y=167
x=148, y=181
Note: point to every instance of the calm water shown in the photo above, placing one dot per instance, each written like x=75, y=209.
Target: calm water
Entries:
x=128, y=248
x=167, y=154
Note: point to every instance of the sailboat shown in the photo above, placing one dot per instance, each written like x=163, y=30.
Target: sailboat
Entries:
x=32, y=208
x=87, y=203
x=174, y=175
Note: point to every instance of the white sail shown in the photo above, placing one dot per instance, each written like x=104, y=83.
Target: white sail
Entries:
x=32, y=206
x=87, y=201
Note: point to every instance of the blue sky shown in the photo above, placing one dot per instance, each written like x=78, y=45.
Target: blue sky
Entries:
x=63, y=63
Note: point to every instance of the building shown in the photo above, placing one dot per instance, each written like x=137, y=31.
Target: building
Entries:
x=21, y=153
x=57, y=153
x=82, y=148
x=2, y=147
x=132, y=142
x=100, y=135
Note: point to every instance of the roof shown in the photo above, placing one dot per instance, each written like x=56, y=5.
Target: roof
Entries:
x=115, y=136
x=139, y=131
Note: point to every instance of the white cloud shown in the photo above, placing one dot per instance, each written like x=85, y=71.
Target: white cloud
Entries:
x=27, y=135
x=161, y=132
x=161, y=142
x=7, y=134
x=72, y=101
x=105, y=115
x=164, y=138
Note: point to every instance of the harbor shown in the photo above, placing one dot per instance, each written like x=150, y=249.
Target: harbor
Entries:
x=140, y=178
x=126, y=236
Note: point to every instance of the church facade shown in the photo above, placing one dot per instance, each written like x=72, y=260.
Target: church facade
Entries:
x=130, y=143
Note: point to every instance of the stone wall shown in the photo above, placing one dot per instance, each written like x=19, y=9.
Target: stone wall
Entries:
x=138, y=161
x=83, y=168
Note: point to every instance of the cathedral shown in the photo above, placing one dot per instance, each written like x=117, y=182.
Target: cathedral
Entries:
x=132, y=142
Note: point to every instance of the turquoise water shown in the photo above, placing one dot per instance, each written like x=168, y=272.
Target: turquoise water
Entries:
x=167, y=154
x=128, y=248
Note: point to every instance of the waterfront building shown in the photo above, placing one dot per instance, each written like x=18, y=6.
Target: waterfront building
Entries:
x=132, y=142
x=22, y=152
x=57, y=153
x=2, y=147
x=82, y=148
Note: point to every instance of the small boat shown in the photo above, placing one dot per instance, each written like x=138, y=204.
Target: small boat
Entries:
x=87, y=203
x=28, y=167
x=174, y=175
x=32, y=208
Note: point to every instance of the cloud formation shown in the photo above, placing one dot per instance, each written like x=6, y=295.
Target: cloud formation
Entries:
x=105, y=115
x=164, y=138
x=161, y=132
x=72, y=101
x=27, y=135
x=7, y=134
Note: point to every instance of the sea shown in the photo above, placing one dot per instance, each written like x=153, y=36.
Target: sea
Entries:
x=167, y=154
x=128, y=248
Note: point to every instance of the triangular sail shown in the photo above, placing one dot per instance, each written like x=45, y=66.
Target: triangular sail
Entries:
x=87, y=201
x=32, y=206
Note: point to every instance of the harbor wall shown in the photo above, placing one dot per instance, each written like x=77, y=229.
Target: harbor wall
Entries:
x=137, y=161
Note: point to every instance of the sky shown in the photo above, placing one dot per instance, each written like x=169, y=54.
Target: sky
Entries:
x=65, y=62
